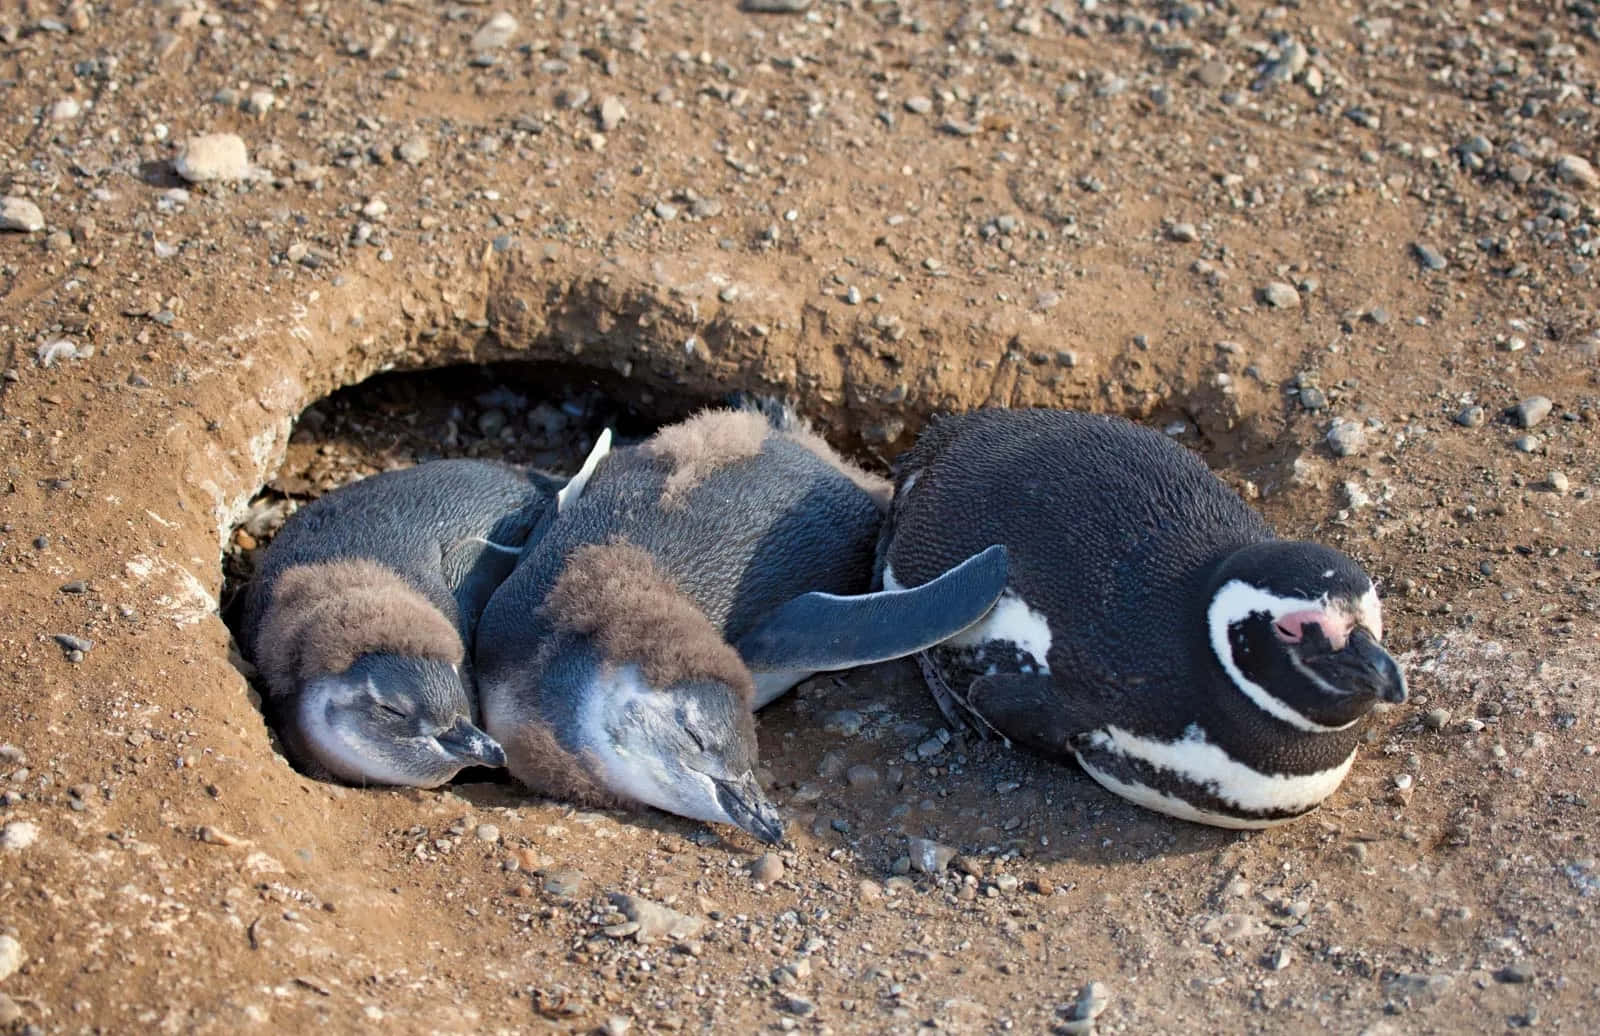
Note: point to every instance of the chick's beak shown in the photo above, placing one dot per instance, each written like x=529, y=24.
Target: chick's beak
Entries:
x=471, y=745
x=745, y=804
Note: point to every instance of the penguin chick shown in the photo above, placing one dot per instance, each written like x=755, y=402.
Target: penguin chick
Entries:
x=698, y=576
x=1153, y=628
x=361, y=607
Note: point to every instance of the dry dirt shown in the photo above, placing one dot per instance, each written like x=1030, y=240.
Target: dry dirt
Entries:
x=881, y=209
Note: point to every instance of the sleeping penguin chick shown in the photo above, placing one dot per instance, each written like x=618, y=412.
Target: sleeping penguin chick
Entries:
x=360, y=609
x=698, y=576
x=1153, y=628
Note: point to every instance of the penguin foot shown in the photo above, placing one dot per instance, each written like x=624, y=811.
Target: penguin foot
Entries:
x=956, y=710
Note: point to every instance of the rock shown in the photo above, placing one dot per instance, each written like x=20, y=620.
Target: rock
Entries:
x=11, y=956
x=1428, y=256
x=1346, y=437
x=1279, y=295
x=616, y=1025
x=798, y=1006
x=1233, y=928
x=1528, y=443
x=919, y=105
x=862, y=776
x=1576, y=171
x=611, y=114
x=1093, y=999
x=766, y=868
x=65, y=110
x=487, y=833
x=656, y=920
x=1184, y=232
x=18, y=835
x=928, y=856
x=1517, y=972
x=10, y=1011
x=495, y=33
x=213, y=157
x=1471, y=417
x=1557, y=482
x=1313, y=398
x=1356, y=497
x=1531, y=411
x=69, y=643
x=844, y=722
x=20, y=215
x=414, y=151
x=775, y=6
x=563, y=883
x=260, y=102
x=1436, y=719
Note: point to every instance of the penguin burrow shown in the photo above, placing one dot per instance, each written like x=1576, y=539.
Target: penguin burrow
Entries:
x=695, y=578
x=1153, y=627
x=362, y=609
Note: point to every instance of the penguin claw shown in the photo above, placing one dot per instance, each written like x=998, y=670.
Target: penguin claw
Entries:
x=956, y=710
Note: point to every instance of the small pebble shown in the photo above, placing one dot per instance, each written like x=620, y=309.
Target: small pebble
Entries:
x=20, y=215
x=1517, y=972
x=11, y=956
x=1531, y=411
x=766, y=868
x=1577, y=171
x=563, y=883
x=494, y=33
x=1436, y=719
x=1184, y=232
x=862, y=776
x=929, y=857
x=919, y=105
x=611, y=114
x=1346, y=437
x=1471, y=417
x=70, y=642
x=1279, y=295
x=1557, y=483
x=213, y=157
x=18, y=835
x=1429, y=256
x=1527, y=443
x=487, y=833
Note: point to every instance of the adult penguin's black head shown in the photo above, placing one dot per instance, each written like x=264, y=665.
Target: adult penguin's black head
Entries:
x=1298, y=629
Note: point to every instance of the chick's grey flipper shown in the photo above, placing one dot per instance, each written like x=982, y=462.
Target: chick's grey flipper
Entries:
x=820, y=631
x=476, y=567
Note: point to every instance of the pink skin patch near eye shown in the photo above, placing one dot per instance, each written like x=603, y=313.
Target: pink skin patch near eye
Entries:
x=1336, y=627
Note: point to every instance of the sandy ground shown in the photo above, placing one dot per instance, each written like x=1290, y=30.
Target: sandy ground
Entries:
x=1340, y=250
